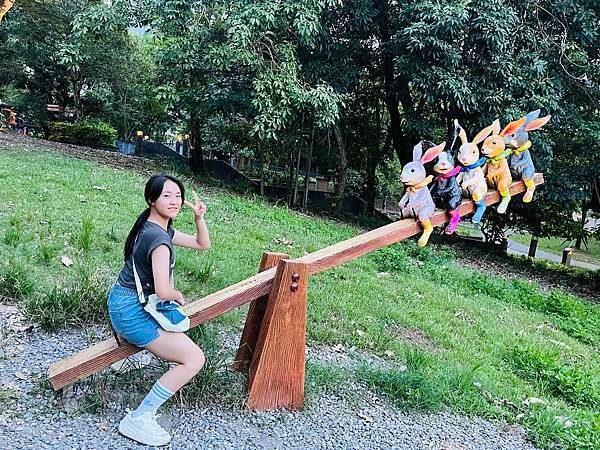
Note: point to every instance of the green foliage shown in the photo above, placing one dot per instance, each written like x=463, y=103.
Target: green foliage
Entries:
x=579, y=386
x=87, y=132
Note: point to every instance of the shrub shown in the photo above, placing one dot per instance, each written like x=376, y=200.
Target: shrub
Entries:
x=87, y=132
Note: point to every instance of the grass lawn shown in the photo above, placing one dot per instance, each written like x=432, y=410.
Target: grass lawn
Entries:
x=489, y=345
x=556, y=246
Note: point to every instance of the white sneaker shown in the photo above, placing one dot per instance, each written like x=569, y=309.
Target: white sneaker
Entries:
x=144, y=429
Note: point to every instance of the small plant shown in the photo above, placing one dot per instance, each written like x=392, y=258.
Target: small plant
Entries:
x=12, y=235
x=203, y=273
x=15, y=280
x=48, y=252
x=84, y=238
x=392, y=259
x=112, y=235
x=411, y=386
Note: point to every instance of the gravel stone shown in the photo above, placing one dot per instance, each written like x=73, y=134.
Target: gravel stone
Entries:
x=36, y=418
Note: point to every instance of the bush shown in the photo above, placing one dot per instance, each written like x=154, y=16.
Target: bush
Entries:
x=87, y=132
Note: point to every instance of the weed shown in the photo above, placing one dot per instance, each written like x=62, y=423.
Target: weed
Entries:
x=112, y=235
x=579, y=386
x=84, y=238
x=48, y=251
x=216, y=377
x=12, y=235
x=15, y=280
x=76, y=301
x=392, y=259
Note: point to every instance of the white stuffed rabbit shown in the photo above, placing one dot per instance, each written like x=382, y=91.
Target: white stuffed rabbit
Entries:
x=417, y=201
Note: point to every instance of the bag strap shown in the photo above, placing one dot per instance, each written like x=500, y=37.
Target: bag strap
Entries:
x=138, y=283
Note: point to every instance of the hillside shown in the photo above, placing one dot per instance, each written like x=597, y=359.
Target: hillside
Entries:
x=414, y=327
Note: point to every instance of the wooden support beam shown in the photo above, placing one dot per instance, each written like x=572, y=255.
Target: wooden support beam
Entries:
x=103, y=354
x=256, y=312
x=276, y=378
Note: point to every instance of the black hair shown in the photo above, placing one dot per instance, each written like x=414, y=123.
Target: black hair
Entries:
x=152, y=191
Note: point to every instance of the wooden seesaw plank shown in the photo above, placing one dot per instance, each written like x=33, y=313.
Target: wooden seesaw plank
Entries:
x=103, y=354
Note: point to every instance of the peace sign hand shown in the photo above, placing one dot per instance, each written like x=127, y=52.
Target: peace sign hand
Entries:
x=199, y=207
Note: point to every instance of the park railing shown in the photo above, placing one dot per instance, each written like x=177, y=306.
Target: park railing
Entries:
x=272, y=346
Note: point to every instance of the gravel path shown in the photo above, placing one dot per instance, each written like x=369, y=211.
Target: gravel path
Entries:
x=33, y=417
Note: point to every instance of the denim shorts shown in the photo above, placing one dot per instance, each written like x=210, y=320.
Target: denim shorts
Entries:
x=128, y=317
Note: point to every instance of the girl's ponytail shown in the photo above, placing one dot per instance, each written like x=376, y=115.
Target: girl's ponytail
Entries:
x=137, y=226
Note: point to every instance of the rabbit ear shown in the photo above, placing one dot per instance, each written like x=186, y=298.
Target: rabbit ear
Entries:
x=537, y=123
x=532, y=115
x=513, y=126
x=496, y=127
x=461, y=132
x=482, y=135
x=417, y=152
x=432, y=153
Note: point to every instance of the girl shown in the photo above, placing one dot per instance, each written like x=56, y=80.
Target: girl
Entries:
x=150, y=242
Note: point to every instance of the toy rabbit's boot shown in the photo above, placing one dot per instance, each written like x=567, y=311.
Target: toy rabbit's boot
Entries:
x=480, y=209
x=427, y=230
x=455, y=218
x=530, y=190
x=504, y=203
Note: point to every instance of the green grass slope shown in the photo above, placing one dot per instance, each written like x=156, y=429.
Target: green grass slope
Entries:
x=455, y=338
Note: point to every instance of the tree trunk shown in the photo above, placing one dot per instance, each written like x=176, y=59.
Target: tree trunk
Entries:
x=262, y=174
x=342, y=169
x=401, y=142
x=76, y=96
x=297, y=173
x=308, y=164
x=291, y=178
x=371, y=182
x=196, y=150
x=532, y=247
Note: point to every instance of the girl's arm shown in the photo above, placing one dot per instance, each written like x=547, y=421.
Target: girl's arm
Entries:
x=201, y=240
x=160, y=273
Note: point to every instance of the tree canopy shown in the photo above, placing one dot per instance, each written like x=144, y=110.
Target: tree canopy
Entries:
x=350, y=86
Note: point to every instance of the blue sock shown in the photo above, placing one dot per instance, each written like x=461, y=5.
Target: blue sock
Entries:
x=155, y=398
x=481, y=206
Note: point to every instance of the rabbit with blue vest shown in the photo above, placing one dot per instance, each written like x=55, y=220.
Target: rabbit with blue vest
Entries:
x=520, y=161
x=417, y=201
x=471, y=177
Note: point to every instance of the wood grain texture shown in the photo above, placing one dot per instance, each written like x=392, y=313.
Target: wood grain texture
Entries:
x=105, y=353
x=254, y=319
x=276, y=377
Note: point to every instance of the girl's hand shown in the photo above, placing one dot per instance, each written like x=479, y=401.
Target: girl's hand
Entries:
x=199, y=207
x=179, y=299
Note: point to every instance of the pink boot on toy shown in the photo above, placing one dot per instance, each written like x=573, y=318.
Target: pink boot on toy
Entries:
x=451, y=228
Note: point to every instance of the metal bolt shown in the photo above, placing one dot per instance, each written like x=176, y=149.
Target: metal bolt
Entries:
x=295, y=279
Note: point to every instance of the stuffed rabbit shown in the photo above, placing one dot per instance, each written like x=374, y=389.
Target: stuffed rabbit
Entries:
x=417, y=201
x=471, y=177
x=520, y=161
x=497, y=172
x=446, y=192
